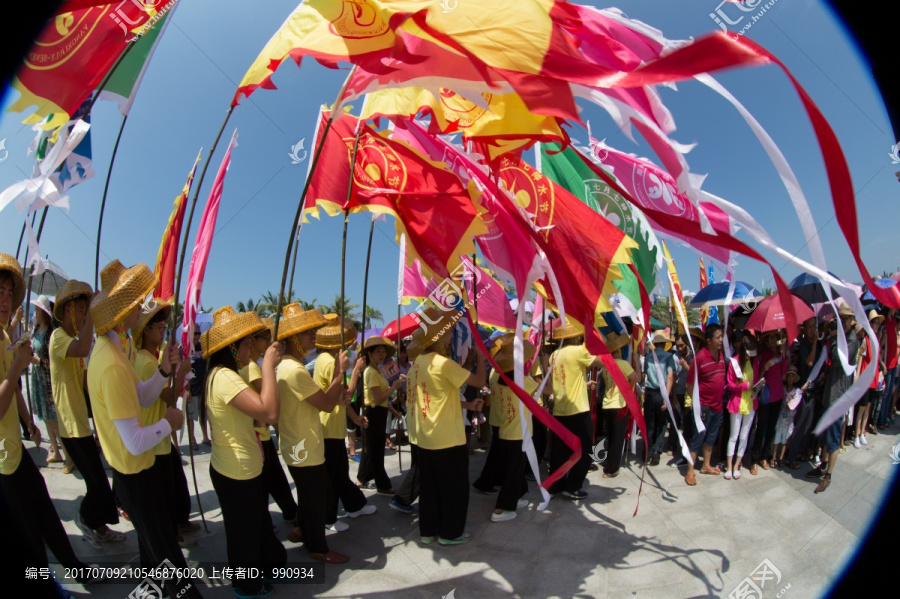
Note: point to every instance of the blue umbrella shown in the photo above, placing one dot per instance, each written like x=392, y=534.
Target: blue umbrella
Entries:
x=809, y=288
x=715, y=294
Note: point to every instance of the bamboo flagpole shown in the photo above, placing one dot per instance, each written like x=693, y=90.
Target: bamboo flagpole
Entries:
x=112, y=161
x=366, y=279
x=300, y=204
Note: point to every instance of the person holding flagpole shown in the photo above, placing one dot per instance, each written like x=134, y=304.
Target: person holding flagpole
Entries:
x=127, y=439
x=300, y=430
x=236, y=465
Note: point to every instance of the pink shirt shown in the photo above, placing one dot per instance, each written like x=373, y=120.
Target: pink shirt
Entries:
x=711, y=372
x=775, y=373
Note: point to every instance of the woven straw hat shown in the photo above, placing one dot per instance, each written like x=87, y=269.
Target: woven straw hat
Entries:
x=146, y=317
x=698, y=334
x=329, y=336
x=616, y=341
x=121, y=290
x=70, y=290
x=270, y=324
x=228, y=327
x=373, y=342
x=845, y=310
x=660, y=338
x=571, y=328
x=875, y=317
x=295, y=319
x=11, y=265
x=503, y=351
x=412, y=350
x=437, y=323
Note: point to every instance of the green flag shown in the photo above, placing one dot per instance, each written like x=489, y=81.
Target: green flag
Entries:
x=567, y=170
x=125, y=80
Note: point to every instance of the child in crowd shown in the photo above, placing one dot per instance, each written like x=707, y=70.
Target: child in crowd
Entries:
x=785, y=426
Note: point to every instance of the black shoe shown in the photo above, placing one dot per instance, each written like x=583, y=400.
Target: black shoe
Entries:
x=654, y=459
x=574, y=495
x=490, y=491
x=815, y=472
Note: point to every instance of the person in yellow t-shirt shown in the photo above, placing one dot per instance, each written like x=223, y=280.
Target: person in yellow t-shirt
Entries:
x=334, y=424
x=236, y=465
x=29, y=517
x=433, y=392
x=508, y=440
x=70, y=344
x=376, y=394
x=409, y=488
x=148, y=336
x=300, y=429
x=276, y=482
x=117, y=396
x=571, y=406
x=612, y=412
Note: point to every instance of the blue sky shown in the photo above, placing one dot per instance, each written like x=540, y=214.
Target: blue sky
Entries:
x=209, y=46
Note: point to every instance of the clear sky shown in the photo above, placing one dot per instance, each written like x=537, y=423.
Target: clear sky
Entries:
x=208, y=47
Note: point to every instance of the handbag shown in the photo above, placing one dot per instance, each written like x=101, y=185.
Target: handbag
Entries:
x=763, y=396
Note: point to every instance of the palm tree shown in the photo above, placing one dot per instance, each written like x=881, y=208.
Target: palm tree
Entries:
x=372, y=314
x=269, y=302
x=349, y=309
x=251, y=306
x=308, y=305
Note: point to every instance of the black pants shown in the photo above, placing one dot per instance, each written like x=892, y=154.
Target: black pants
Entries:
x=340, y=487
x=492, y=473
x=580, y=425
x=143, y=496
x=249, y=538
x=312, y=485
x=444, y=503
x=276, y=481
x=409, y=488
x=656, y=419
x=678, y=411
x=98, y=507
x=614, y=426
x=179, y=498
x=767, y=419
x=24, y=495
x=372, y=463
x=510, y=461
x=803, y=421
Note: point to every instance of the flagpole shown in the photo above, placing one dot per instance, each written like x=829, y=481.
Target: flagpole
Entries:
x=112, y=161
x=366, y=279
x=290, y=287
x=300, y=204
x=31, y=276
x=22, y=233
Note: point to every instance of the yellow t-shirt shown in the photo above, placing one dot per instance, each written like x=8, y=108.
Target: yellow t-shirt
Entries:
x=569, y=387
x=334, y=423
x=613, y=398
x=747, y=396
x=10, y=435
x=494, y=414
x=251, y=373
x=433, y=387
x=112, y=384
x=146, y=365
x=373, y=379
x=299, y=428
x=506, y=403
x=235, y=448
x=67, y=378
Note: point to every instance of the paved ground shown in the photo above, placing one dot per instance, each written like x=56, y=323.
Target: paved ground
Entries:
x=698, y=541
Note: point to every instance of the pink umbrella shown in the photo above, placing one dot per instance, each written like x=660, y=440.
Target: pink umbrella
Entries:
x=896, y=276
x=769, y=314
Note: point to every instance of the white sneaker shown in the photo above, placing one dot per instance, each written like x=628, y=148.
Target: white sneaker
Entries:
x=338, y=526
x=856, y=442
x=503, y=516
x=862, y=439
x=522, y=503
x=363, y=511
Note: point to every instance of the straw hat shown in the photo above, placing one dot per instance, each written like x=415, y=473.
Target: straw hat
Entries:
x=329, y=336
x=373, y=342
x=436, y=323
x=698, y=334
x=845, y=310
x=70, y=290
x=147, y=316
x=270, y=324
x=571, y=328
x=229, y=326
x=503, y=351
x=412, y=350
x=121, y=290
x=660, y=338
x=295, y=319
x=792, y=371
x=616, y=341
x=11, y=265
x=43, y=302
x=875, y=318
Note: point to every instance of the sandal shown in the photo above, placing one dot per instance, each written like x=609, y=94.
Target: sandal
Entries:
x=691, y=480
x=68, y=468
x=54, y=459
x=331, y=557
x=295, y=536
x=728, y=475
x=712, y=471
x=753, y=470
x=792, y=465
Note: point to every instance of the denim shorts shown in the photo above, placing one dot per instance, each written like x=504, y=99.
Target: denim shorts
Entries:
x=833, y=436
x=712, y=421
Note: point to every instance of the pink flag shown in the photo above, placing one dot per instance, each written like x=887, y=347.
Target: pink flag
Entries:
x=201, y=253
x=493, y=306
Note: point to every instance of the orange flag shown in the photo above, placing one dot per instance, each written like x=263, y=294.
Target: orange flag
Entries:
x=168, y=249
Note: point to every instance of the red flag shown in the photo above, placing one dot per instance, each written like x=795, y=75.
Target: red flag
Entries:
x=168, y=249
x=704, y=281
x=201, y=253
x=430, y=203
